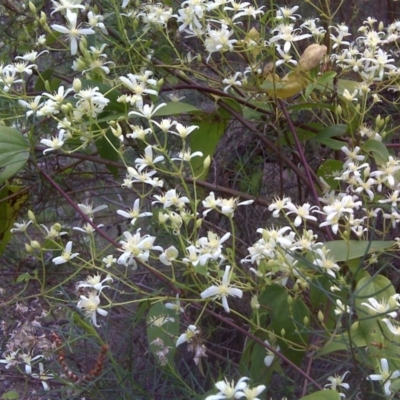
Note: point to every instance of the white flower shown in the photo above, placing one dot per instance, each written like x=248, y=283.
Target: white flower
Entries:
x=27, y=359
x=278, y=205
x=87, y=228
x=228, y=206
x=336, y=382
x=223, y=290
x=175, y=305
x=269, y=358
x=232, y=81
x=109, y=260
x=394, y=329
x=188, y=336
x=88, y=209
x=134, y=212
x=43, y=377
x=218, y=40
x=350, y=96
x=55, y=143
x=22, y=227
x=288, y=34
x=386, y=376
x=10, y=359
x=147, y=160
x=66, y=255
x=341, y=308
x=210, y=203
x=90, y=306
x=326, y=262
x=65, y=5
x=227, y=390
x=73, y=32
x=32, y=105
x=287, y=13
x=184, y=131
x=147, y=111
x=169, y=255
x=94, y=282
x=31, y=55
x=380, y=307
x=303, y=212
x=250, y=393
x=171, y=198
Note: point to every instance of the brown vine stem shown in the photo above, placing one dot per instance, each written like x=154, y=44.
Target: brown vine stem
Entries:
x=310, y=182
x=261, y=342
x=101, y=232
x=207, y=91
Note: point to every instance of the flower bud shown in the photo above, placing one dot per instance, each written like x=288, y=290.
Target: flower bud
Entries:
x=379, y=122
x=199, y=222
x=35, y=245
x=162, y=218
x=43, y=18
x=380, y=26
x=31, y=216
x=57, y=227
x=320, y=316
x=32, y=8
x=77, y=85
x=289, y=300
x=283, y=332
x=339, y=110
x=67, y=108
x=206, y=162
x=306, y=320
x=255, y=305
x=312, y=56
x=28, y=248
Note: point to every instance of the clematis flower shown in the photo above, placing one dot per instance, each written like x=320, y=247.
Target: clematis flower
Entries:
x=380, y=307
x=43, y=377
x=336, y=382
x=55, y=143
x=147, y=160
x=190, y=333
x=228, y=390
x=385, y=376
x=223, y=290
x=134, y=212
x=72, y=31
x=94, y=282
x=66, y=255
x=90, y=306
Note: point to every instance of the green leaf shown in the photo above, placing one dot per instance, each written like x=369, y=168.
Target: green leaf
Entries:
x=328, y=169
x=10, y=395
x=107, y=150
x=378, y=151
x=310, y=106
x=341, y=342
x=12, y=199
x=325, y=136
x=87, y=327
x=110, y=92
x=323, y=395
x=326, y=78
x=25, y=277
x=14, y=152
x=45, y=76
x=162, y=329
x=176, y=108
x=331, y=131
x=287, y=314
x=378, y=287
x=206, y=139
x=343, y=250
